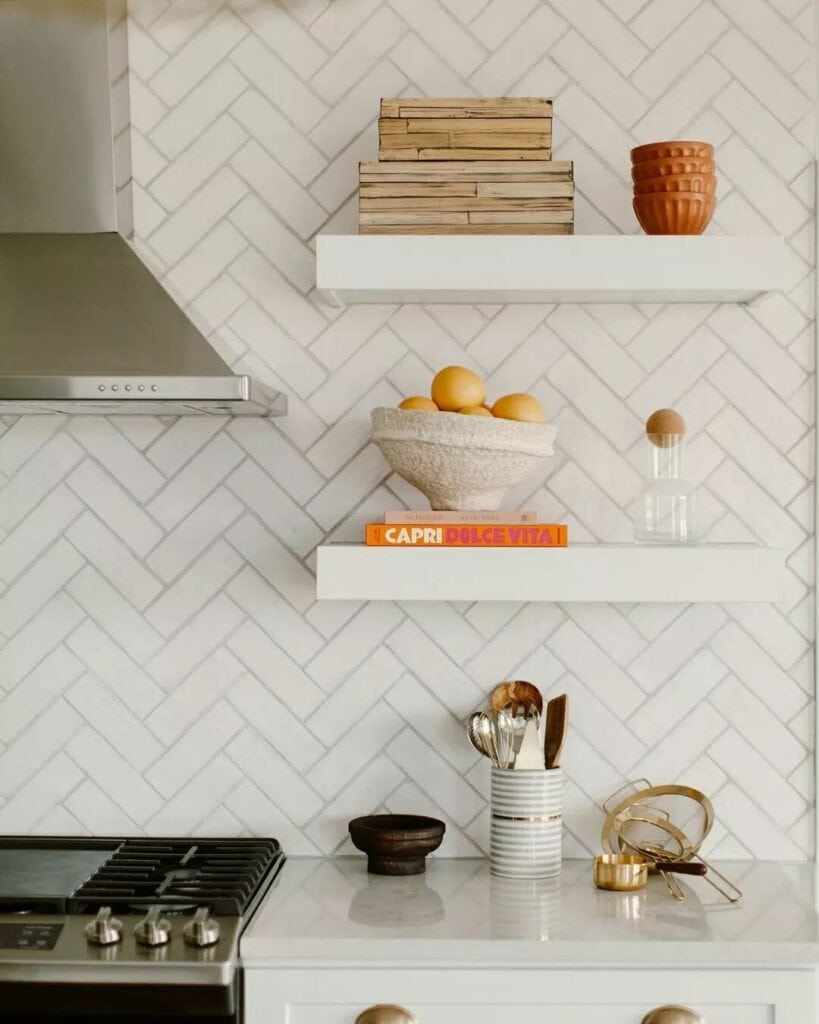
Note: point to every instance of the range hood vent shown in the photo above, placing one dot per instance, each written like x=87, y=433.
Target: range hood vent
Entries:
x=85, y=327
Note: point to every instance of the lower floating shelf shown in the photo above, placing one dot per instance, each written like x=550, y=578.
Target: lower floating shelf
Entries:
x=582, y=572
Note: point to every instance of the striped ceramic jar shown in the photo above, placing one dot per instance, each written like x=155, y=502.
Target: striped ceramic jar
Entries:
x=525, y=828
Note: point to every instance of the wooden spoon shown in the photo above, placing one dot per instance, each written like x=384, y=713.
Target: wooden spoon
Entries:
x=557, y=725
x=518, y=693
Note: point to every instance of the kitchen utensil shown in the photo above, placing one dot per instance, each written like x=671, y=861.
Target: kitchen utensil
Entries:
x=671, y=165
x=396, y=844
x=483, y=729
x=557, y=726
x=646, y=815
x=504, y=721
x=632, y=786
x=667, y=150
x=530, y=755
x=520, y=718
x=674, y=213
x=706, y=183
x=620, y=872
x=627, y=872
x=515, y=693
x=461, y=462
x=676, y=833
x=479, y=730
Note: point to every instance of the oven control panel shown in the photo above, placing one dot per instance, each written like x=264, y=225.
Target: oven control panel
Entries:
x=29, y=936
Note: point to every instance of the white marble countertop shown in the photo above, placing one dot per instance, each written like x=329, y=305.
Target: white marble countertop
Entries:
x=459, y=915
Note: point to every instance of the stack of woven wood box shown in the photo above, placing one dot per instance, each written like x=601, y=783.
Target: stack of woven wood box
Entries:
x=466, y=167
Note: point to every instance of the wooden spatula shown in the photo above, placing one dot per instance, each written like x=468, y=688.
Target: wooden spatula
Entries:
x=557, y=725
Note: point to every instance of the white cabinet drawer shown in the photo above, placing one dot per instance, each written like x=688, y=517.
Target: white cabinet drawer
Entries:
x=332, y=995
x=546, y=1013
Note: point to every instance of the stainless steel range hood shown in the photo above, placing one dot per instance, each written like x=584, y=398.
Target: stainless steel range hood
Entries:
x=85, y=327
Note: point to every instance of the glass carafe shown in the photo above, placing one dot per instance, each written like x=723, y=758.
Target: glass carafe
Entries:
x=663, y=512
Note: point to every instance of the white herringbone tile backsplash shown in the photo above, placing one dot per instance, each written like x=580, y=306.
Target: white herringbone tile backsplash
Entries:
x=165, y=666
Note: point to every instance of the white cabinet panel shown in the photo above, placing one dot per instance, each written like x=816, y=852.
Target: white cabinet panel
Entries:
x=333, y=995
x=545, y=1013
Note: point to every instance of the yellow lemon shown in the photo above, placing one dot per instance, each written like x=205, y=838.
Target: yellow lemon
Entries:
x=419, y=402
x=475, y=410
x=455, y=388
x=519, y=407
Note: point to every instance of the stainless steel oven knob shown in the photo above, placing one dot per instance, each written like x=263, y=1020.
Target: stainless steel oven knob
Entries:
x=104, y=930
x=153, y=929
x=202, y=930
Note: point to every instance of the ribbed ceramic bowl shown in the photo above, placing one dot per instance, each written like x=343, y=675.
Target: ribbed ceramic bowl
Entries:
x=461, y=462
x=706, y=183
x=674, y=213
x=661, y=150
x=671, y=165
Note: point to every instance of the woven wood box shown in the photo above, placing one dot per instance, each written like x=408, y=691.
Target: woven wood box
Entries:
x=468, y=129
x=475, y=197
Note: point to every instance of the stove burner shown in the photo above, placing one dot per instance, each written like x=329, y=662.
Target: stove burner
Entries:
x=180, y=875
x=52, y=875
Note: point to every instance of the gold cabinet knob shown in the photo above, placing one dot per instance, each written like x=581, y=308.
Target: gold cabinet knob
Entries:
x=386, y=1013
x=673, y=1015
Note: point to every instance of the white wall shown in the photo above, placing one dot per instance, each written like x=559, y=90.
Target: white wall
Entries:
x=166, y=667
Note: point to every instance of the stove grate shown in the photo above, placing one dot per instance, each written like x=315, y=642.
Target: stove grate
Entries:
x=228, y=876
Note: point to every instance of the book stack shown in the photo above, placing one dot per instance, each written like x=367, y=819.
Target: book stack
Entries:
x=476, y=129
x=485, y=197
x=472, y=166
x=497, y=529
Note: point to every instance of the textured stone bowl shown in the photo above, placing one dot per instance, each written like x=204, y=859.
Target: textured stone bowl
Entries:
x=461, y=463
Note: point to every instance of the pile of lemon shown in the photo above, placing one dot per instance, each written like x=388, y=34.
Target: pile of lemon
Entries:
x=456, y=389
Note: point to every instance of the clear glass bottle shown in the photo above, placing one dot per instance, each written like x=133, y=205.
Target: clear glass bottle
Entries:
x=663, y=512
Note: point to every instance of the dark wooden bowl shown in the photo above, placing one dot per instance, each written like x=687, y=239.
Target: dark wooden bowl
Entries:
x=396, y=844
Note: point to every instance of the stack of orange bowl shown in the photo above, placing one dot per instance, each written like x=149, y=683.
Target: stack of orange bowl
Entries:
x=674, y=187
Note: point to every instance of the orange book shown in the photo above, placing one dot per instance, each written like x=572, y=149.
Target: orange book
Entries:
x=466, y=535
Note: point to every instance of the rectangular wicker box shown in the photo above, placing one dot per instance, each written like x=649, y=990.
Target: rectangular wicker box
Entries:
x=466, y=197
x=505, y=128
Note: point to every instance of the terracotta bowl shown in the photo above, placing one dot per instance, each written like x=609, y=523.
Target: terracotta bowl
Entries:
x=706, y=183
x=396, y=844
x=663, y=150
x=671, y=165
x=674, y=213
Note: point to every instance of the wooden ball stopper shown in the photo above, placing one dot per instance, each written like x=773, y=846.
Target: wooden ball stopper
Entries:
x=665, y=428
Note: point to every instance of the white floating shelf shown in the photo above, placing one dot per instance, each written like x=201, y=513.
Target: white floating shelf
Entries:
x=545, y=269
x=580, y=572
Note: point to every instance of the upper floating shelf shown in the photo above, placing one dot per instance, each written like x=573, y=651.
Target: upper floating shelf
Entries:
x=545, y=269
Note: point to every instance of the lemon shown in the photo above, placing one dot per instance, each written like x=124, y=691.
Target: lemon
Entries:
x=519, y=407
x=475, y=410
x=455, y=388
x=419, y=402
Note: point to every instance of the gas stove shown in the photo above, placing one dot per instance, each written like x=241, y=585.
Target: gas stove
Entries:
x=127, y=929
